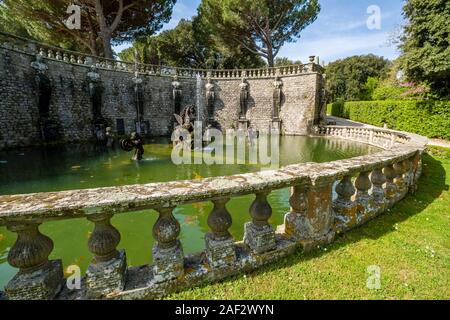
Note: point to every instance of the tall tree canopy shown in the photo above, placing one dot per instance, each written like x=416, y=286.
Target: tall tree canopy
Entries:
x=260, y=26
x=426, y=43
x=103, y=22
x=188, y=45
x=347, y=78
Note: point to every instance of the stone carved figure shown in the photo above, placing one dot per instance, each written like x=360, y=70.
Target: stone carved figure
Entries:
x=210, y=97
x=136, y=142
x=95, y=94
x=243, y=98
x=139, y=98
x=277, y=98
x=110, y=137
x=176, y=94
x=185, y=124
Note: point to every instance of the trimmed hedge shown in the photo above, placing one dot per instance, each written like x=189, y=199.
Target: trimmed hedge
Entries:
x=427, y=118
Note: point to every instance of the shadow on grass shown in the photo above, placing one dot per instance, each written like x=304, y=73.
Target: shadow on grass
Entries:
x=430, y=187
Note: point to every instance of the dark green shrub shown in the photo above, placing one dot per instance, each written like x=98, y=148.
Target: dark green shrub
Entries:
x=427, y=118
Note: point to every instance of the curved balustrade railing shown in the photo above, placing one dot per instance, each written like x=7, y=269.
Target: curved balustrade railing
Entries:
x=51, y=52
x=315, y=217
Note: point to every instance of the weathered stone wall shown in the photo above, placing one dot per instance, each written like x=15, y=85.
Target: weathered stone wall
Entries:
x=70, y=106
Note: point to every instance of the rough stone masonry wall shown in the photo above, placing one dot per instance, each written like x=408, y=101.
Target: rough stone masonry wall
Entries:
x=70, y=105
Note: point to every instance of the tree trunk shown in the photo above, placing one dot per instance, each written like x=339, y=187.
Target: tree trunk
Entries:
x=105, y=33
x=107, y=46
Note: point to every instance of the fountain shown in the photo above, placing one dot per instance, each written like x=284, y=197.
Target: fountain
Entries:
x=135, y=142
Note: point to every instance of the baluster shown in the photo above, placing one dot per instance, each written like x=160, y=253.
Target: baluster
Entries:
x=390, y=187
x=66, y=57
x=344, y=208
x=58, y=55
x=400, y=180
x=42, y=52
x=379, y=196
x=220, y=250
x=259, y=235
x=168, y=257
x=294, y=221
x=107, y=271
x=409, y=175
x=365, y=205
x=417, y=169
x=72, y=59
x=50, y=54
x=38, y=278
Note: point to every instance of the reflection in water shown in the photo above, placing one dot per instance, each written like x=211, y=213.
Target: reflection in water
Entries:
x=89, y=166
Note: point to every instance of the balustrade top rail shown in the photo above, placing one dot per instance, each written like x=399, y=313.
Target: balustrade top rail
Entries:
x=86, y=202
x=28, y=46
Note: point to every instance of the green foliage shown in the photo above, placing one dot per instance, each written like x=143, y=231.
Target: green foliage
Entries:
x=426, y=43
x=427, y=118
x=260, y=26
x=187, y=45
x=336, y=108
x=283, y=61
x=103, y=23
x=347, y=78
x=389, y=92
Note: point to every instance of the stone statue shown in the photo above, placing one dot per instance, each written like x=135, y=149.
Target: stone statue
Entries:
x=176, y=94
x=110, y=137
x=95, y=94
x=277, y=98
x=185, y=123
x=139, y=97
x=135, y=142
x=243, y=98
x=210, y=97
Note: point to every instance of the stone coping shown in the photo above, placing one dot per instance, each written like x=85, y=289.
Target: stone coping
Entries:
x=40, y=207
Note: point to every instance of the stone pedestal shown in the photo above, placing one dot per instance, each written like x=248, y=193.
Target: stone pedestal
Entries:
x=103, y=278
x=243, y=124
x=259, y=238
x=42, y=284
x=168, y=263
x=219, y=253
x=275, y=125
x=344, y=216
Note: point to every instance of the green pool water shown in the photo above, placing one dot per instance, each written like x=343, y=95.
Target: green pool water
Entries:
x=87, y=166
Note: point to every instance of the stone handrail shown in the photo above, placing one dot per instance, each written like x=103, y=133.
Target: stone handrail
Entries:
x=382, y=179
x=28, y=46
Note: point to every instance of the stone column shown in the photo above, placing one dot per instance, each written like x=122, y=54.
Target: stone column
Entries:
x=168, y=256
x=107, y=271
x=219, y=244
x=344, y=208
x=390, y=187
x=259, y=235
x=365, y=205
x=38, y=278
x=379, y=196
x=294, y=221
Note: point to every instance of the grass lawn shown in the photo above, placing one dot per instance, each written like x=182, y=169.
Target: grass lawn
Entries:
x=410, y=244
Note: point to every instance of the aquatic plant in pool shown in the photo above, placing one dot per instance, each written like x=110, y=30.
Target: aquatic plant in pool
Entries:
x=90, y=166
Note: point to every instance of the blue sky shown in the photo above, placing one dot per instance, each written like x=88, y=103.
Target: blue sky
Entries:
x=339, y=31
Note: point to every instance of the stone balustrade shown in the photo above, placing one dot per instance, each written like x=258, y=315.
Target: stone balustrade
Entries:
x=365, y=186
x=27, y=46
